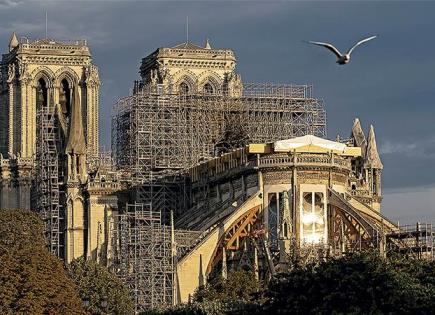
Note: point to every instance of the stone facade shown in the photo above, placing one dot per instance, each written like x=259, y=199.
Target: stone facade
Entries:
x=28, y=62
x=190, y=69
x=49, y=100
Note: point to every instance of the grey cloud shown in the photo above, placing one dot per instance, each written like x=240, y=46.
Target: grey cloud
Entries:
x=9, y=3
x=409, y=205
x=419, y=147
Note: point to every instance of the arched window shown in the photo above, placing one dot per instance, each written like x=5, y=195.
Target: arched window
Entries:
x=65, y=98
x=41, y=94
x=208, y=89
x=184, y=88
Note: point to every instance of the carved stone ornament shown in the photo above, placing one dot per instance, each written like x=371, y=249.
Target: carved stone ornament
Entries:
x=154, y=77
x=91, y=74
x=11, y=72
x=163, y=72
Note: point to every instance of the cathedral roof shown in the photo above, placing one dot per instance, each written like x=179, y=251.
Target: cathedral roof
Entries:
x=372, y=159
x=187, y=45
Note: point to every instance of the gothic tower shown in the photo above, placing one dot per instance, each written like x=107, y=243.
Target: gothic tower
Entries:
x=44, y=70
x=191, y=69
x=373, y=168
x=48, y=135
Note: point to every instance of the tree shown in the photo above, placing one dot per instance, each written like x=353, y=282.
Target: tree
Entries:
x=357, y=283
x=32, y=280
x=104, y=291
x=240, y=285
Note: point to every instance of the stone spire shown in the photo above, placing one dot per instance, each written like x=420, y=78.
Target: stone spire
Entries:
x=372, y=159
x=358, y=136
x=76, y=139
x=76, y=145
x=13, y=43
x=207, y=44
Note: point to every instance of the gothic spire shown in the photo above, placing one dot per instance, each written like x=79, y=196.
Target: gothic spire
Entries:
x=13, y=42
x=76, y=140
x=358, y=136
x=207, y=44
x=372, y=159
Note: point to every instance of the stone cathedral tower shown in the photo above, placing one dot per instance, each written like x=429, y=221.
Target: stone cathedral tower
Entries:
x=49, y=94
x=45, y=71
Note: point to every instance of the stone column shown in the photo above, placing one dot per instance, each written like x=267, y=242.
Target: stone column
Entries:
x=32, y=119
x=88, y=110
x=11, y=119
x=23, y=146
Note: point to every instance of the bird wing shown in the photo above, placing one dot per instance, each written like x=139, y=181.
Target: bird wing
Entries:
x=328, y=46
x=361, y=42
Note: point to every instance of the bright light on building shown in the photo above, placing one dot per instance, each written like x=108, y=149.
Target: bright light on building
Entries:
x=313, y=238
x=311, y=218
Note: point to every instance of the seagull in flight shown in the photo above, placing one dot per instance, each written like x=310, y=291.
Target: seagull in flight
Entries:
x=342, y=58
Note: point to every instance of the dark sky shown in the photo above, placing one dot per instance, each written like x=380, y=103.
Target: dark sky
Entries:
x=390, y=82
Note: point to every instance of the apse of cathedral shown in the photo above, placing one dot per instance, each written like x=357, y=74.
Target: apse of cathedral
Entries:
x=178, y=150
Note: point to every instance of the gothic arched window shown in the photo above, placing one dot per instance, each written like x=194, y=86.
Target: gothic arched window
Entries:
x=184, y=88
x=41, y=94
x=208, y=89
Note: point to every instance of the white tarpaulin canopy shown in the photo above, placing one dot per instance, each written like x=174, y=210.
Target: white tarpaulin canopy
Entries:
x=308, y=143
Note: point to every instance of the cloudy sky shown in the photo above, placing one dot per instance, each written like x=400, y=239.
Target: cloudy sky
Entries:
x=390, y=82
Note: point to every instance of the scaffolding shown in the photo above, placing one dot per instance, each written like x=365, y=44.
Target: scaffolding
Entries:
x=156, y=134
x=413, y=240
x=145, y=254
x=48, y=185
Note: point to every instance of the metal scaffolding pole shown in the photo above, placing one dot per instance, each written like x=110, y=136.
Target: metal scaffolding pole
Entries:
x=145, y=256
x=48, y=201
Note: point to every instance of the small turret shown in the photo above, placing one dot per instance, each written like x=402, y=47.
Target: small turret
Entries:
x=358, y=136
x=372, y=159
x=13, y=43
x=207, y=44
x=373, y=169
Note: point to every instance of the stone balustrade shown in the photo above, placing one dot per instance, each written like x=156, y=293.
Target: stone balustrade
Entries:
x=325, y=160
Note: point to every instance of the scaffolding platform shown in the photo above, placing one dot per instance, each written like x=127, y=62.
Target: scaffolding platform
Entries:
x=414, y=240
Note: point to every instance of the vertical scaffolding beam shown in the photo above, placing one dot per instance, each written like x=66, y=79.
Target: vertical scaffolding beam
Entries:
x=48, y=198
x=145, y=256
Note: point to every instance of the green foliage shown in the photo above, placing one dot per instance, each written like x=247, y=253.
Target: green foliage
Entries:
x=240, y=285
x=236, y=295
x=32, y=281
x=209, y=308
x=359, y=283
x=97, y=284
